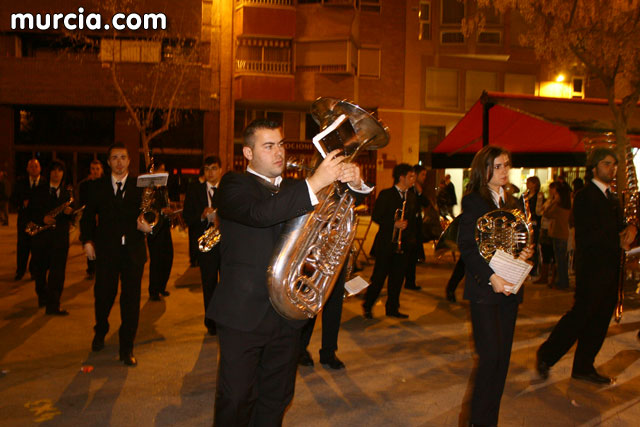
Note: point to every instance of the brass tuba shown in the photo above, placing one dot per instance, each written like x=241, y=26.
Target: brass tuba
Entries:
x=313, y=247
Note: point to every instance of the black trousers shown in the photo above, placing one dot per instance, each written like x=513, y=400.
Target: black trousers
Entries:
x=49, y=264
x=109, y=271
x=456, y=276
x=587, y=323
x=257, y=373
x=412, y=261
x=209, y=269
x=22, y=251
x=160, y=259
x=331, y=316
x=392, y=265
x=493, y=328
x=193, y=246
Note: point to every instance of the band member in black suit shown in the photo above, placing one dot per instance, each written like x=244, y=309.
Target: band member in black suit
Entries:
x=199, y=214
x=417, y=251
x=391, y=260
x=493, y=308
x=114, y=236
x=160, y=243
x=51, y=246
x=84, y=189
x=193, y=232
x=258, y=347
x=600, y=235
x=21, y=197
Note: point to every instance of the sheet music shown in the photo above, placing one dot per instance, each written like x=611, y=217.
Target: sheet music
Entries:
x=511, y=269
x=149, y=179
x=333, y=126
x=355, y=285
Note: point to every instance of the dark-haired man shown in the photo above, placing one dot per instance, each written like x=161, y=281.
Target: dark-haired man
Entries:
x=114, y=236
x=396, y=237
x=600, y=235
x=258, y=347
x=416, y=251
x=50, y=247
x=199, y=214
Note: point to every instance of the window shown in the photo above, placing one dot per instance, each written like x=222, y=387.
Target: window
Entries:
x=452, y=12
x=424, y=19
x=520, y=83
x=442, y=88
x=130, y=50
x=263, y=55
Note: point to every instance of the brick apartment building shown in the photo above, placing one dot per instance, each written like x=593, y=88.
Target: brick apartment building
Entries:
x=407, y=60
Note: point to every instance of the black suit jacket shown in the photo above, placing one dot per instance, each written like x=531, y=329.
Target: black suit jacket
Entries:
x=21, y=192
x=389, y=200
x=42, y=202
x=105, y=220
x=195, y=201
x=477, y=287
x=251, y=218
x=597, y=258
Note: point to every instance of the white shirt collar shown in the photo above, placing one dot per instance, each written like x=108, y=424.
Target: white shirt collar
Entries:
x=210, y=186
x=601, y=185
x=276, y=182
x=114, y=180
x=497, y=196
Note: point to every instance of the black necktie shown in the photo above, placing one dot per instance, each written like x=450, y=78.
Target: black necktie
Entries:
x=502, y=202
x=119, y=193
x=608, y=193
x=403, y=194
x=54, y=192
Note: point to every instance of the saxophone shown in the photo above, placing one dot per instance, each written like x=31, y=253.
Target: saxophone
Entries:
x=313, y=248
x=209, y=238
x=32, y=228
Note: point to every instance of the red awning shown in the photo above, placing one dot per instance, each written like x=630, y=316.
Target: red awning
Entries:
x=533, y=124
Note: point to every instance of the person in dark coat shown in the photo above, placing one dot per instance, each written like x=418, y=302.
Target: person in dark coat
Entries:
x=417, y=252
x=21, y=198
x=258, y=347
x=114, y=235
x=600, y=236
x=395, y=239
x=84, y=189
x=50, y=246
x=493, y=308
x=200, y=205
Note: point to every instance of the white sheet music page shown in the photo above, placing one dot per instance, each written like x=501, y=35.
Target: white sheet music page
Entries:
x=355, y=285
x=511, y=269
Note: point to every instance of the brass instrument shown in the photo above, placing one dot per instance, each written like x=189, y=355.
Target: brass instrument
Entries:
x=148, y=213
x=313, y=247
x=629, y=197
x=32, y=228
x=209, y=238
x=507, y=230
x=397, y=233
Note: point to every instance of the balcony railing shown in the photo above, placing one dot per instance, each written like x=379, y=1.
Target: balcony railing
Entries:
x=265, y=67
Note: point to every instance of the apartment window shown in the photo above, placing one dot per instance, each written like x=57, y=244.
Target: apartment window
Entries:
x=452, y=12
x=424, y=19
x=263, y=55
x=130, y=50
x=442, y=88
x=476, y=83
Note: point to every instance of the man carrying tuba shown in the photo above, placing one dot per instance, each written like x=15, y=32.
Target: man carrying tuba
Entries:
x=258, y=347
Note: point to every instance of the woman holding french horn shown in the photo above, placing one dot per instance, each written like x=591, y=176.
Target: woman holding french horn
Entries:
x=493, y=307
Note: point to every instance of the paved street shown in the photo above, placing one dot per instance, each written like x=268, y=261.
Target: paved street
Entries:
x=399, y=373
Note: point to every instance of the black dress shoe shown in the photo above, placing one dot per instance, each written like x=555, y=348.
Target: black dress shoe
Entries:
x=332, y=361
x=212, y=331
x=128, y=359
x=98, y=343
x=18, y=276
x=367, y=314
x=398, y=315
x=592, y=377
x=165, y=293
x=154, y=297
x=305, y=359
x=542, y=367
x=413, y=288
x=451, y=297
x=57, y=312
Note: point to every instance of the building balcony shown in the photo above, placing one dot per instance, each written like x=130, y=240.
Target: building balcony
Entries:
x=270, y=18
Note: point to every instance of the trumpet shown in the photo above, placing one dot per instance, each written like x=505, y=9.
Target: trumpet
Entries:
x=397, y=232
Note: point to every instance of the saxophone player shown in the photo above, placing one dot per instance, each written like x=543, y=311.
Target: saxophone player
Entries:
x=600, y=236
x=113, y=235
x=258, y=347
x=200, y=203
x=51, y=246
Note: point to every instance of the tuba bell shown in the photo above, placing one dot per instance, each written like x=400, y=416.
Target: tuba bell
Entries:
x=313, y=248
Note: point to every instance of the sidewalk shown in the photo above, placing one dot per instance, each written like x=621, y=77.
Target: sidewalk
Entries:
x=399, y=373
